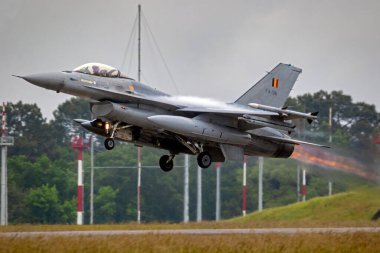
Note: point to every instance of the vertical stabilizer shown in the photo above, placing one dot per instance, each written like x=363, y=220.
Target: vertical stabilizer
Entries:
x=274, y=88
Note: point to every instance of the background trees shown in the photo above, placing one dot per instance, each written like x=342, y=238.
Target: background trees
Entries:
x=352, y=123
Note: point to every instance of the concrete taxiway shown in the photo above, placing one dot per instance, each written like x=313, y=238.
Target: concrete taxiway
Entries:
x=194, y=232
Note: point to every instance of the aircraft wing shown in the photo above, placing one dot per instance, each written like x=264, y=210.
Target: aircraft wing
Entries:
x=121, y=97
x=292, y=141
x=227, y=111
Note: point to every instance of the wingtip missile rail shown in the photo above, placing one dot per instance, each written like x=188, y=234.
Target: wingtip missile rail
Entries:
x=287, y=114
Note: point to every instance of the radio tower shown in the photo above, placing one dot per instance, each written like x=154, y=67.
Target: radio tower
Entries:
x=5, y=142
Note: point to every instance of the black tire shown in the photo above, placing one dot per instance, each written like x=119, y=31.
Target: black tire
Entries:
x=204, y=160
x=109, y=143
x=165, y=165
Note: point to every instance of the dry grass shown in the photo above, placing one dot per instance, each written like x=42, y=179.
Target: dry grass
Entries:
x=358, y=242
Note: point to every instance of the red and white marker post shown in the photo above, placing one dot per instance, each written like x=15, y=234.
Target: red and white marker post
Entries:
x=138, y=184
x=303, y=187
x=77, y=142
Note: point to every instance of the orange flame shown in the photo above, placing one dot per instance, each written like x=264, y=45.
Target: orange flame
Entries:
x=326, y=159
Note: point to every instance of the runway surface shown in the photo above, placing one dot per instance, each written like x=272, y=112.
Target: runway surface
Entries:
x=194, y=232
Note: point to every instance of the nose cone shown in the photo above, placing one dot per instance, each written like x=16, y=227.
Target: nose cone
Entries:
x=52, y=81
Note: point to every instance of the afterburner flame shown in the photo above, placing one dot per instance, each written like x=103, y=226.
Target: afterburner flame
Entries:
x=326, y=159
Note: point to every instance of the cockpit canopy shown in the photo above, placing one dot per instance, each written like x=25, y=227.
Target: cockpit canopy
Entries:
x=99, y=69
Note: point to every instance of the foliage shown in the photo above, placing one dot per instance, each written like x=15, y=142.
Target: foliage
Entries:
x=105, y=204
x=44, y=205
x=26, y=124
x=353, y=124
x=63, y=126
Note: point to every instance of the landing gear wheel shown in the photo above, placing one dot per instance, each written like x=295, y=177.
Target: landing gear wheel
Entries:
x=166, y=164
x=204, y=160
x=109, y=143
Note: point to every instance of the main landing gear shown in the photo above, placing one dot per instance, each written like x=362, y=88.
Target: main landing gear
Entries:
x=166, y=162
x=204, y=161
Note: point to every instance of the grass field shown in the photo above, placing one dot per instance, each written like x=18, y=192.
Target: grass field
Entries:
x=351, y=209
x=353, y=206
x=190, y=243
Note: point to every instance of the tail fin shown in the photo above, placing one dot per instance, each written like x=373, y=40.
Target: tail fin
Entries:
x=274, y=88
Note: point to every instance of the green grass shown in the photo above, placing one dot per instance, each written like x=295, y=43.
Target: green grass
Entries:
x=354, y=206
x=349, y=209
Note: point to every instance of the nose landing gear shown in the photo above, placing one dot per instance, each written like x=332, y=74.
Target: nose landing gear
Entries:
x=109, y=143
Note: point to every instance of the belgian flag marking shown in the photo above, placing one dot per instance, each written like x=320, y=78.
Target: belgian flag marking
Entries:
x=275, y=83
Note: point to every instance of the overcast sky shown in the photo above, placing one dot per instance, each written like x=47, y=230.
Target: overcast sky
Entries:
x=214, y=48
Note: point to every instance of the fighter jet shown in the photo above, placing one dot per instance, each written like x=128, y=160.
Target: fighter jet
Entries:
x=256, y=124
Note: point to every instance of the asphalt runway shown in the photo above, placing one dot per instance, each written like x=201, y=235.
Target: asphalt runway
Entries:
x=256, y=231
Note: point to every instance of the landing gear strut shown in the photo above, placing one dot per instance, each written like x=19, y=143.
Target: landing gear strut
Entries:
x=204, y=160
x=109, y=143
x=166, y=162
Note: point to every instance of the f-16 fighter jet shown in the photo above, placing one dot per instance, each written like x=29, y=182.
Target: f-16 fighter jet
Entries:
x=256, y=124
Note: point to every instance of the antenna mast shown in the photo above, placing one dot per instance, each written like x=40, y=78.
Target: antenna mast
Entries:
x=139, y=44
x=139, y=148
x=5, y=141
